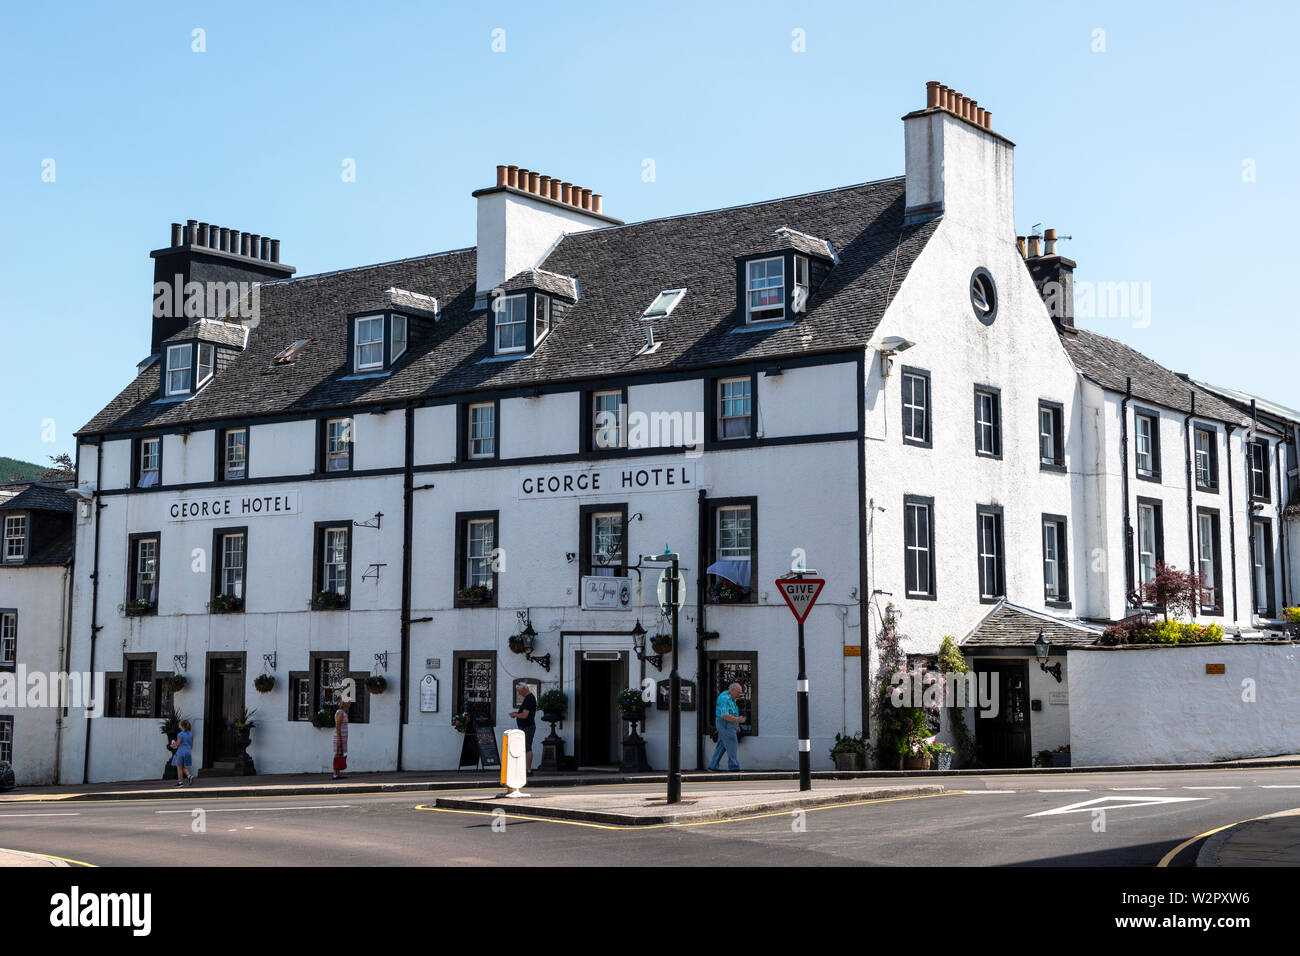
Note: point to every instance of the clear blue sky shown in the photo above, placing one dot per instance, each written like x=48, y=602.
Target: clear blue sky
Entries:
x=1137, y=152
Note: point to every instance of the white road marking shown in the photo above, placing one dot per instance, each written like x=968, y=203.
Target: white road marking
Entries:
x=5, y=816
x=1279, y=786
x=1137, y=788
x=332, y=806
x=1088, y=806
x=1062, y=791
x=1211, y=788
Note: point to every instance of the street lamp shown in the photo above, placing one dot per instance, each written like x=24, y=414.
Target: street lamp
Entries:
x=1043, y=647
x=638, y=644
x=674, y=681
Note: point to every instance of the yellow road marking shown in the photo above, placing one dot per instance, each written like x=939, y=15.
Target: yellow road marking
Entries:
x=1169, y=857
x=61, y=859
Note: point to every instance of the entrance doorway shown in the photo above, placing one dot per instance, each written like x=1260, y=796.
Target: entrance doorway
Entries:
x=1002, y=740
x=225, y=702
x=598, y=729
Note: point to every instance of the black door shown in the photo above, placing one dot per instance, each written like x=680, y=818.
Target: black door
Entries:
x=597, y=727
x=225, y=703
x=1003, y=738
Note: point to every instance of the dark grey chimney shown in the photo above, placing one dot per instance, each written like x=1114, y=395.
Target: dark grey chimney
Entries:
x=1053, y=275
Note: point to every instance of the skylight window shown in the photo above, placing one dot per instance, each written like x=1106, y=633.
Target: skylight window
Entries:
x=664, y=303
x=291, y=353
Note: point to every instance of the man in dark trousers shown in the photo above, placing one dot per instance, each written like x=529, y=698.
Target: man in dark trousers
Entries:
x=526, y=719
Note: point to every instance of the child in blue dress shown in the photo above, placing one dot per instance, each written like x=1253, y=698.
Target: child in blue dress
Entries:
x=181, y=761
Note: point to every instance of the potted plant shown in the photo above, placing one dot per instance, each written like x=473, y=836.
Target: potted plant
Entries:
x=137, y=607
x=631, y=704
x=661, y=643
x=243, y=724
x=324, y=718
x=917, y=755
x=328, y=600
x=175, y=682
x=727, y=592
x=462, y=723
x=478, y=594
x=376, y=683
x=1043, y=758
x=520, y=643
x=632, y=707
x=941, y=755
x=554, y=705
x=849, y=752
x=264, y=683
x=225, y=604
x=1061, y=756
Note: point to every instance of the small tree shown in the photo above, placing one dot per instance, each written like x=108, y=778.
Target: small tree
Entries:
x=62, y=469
x=1173, y=591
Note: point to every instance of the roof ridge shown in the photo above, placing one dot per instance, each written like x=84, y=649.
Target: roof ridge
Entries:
x=373, y=265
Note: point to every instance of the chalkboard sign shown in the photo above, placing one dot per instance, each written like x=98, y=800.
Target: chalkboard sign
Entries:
x=486, y=738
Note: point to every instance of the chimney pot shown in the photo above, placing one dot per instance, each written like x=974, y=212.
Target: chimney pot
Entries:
x=595, y=202
x=586, y=199
x=1049, y=242
x=203, y=233
x=512, y=176
x=275, y=250
x=979, y=117
x=191, y=231
x=1020, y=246
x=501, y=175
x=965, y=107
x=266, y=248
x=555, y=189
x=254, y=244
x=533, y=179
x=943, y=97
x=988, y=119
x=243, y=243
x=178, y=233
x=566, y=192
x=224, y=241
x=1033, y=247
x=931, y=94
x=523, y=179
x=544, y=185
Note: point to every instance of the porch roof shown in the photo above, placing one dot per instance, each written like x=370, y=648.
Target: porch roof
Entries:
x=1008, y=625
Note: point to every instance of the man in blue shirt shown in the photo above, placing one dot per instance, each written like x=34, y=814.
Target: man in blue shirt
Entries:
x=728, y=722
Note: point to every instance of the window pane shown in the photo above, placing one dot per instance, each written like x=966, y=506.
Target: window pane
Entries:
x=236, y=461
x=734, y=408
x=146, y=570
x=179, y=361
x=232, y=565
x=607, y=419
x=541, y=317
x=606, y=544
x=510, y=317
x=334, y=575
x=338, y=444
x=734, y=540
x=8, y=638
x=206, y=362
x=766, y=289
x=478, y=572
x=482, y=431
x=15, y=537
x=399, y=335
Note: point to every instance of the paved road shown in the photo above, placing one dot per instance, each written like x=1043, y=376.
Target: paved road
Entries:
x=995, y=820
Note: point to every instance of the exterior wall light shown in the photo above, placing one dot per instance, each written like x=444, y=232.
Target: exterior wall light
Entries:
x=1043, y=647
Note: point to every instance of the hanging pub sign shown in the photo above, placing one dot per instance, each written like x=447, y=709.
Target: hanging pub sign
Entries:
x=606, y=593
x=604, y=480
x=223, y=506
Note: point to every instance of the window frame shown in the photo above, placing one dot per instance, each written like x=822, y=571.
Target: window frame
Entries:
x=909, y=371
x=1056, y=411
x=132, y=565
x=223, y=437
x=7, y=737
x=1157, y=530
x=217, y=583
x=323, y=440
x=591, y=426
x=540, y=299
x=1258, y=523
x=586, y=538
x=716, y=505
x=1153, y=474
x=1059, y=525
x=394, y=353
x=457, y=690
x=23, y=539
x=137, y=465
x=712, y=661
x=8, y=614
x=158, y=698
x=170, y=369
x=910, y=592
x=496, y=324
x=798, y=302
x=716, y=407
x=201, y=379
x=359, y=712
x=320, y=528
x=358, y=344
x=995, y=426
x=998, y=593
x=1212, y=458
x=467, y=428
x=1260, y=447
x=748, y=289
x=461, y=576
x=1216, y=583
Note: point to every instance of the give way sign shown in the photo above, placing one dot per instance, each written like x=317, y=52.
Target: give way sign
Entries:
x=800, y=594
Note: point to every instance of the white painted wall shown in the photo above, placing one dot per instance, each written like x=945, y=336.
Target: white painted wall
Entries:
x=1142, y=705
x=515, y=232
x=435, y=434
x=533, y=427
x=282, y=448
x=800, y=400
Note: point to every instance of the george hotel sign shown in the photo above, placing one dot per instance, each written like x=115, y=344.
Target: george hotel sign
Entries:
x=604, y=479
x=233, y=506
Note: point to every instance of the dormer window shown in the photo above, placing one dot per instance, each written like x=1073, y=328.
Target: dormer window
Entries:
x=765, y=289
x=398, y=345
x=541, y=317
x=377, y=340
x=511, y=314
x=179, y=368
x=15, y=538
x=369, y=349
x=801, y=285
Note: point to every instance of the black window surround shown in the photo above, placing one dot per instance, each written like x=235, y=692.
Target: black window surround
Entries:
x=296, y=680
x=749, y=707
x=1270, y=605
x=137, y=447
x=387, y=359
x=5, y=519
x=8, y=664
x=910, y=416
x=988, y=440
x=1057, y=411
x=991, y=590
x=1257, y=469
x=1154, y=418
x=463, y=519
x=913, y=590
x=982, y=284
x=1216, y=559
x=715, y=504
x=463, y=433
x=359, y=711
x=712, y=405
x=7, y=722
x=530, y=304
x=318, y=565
x=458, y=658
x=585, y=513
x=132, y=559
x=322, y=445
x=1211, y=434
x=587, y=422
x=788, y=313
x=1059, y=527
x=218, y=565
x=219, y=472
x=1158, y=529
x=120, y=699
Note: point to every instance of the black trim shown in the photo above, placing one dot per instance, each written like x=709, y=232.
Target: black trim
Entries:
x=788, y=313
x=1000, y=592
x=712, y=554
x=530, y=345
x=322, y=445
x=1062, y=600
x=712, y=433
x=463, y=518
x=982, y=273
x=318, y=558
x=711, y=660
x=928, y=441
x=463, y=433
x=1057, y=409
x=908, y=590
x=136, y=470
x=1270, y=607
x=218, y=567
x=1217, y=583
x=219, y=468
x=14, y=612
x=1154, y=417
x=359, y=711
x=587, y=424
x=1213, y=432
x=1258, y=447
x=293, y=679
x=996, y=394
x=584, y=538
x=1159, y=506
x=457, y=690
x=132, y=542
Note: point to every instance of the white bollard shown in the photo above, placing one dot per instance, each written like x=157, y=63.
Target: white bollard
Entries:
x=514, y=763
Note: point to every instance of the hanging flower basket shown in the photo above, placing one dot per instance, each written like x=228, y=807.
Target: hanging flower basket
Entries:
x=661, y=643
x=324, y=718
x=377, y=683
x=137, y=608
x=176, y=682
x=518, y=644
x=264, y=683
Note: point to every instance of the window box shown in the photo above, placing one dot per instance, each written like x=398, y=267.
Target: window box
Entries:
x=328, y=601
x=725, y=592
x=478, y=594
x=225, y=604
x=139, y=608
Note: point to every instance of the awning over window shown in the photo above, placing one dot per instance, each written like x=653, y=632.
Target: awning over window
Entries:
x=737, y=572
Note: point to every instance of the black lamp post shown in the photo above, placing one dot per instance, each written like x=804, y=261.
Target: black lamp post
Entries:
x=530, y=641
x=638, y=642
x=674, y=682
x=1043, y=647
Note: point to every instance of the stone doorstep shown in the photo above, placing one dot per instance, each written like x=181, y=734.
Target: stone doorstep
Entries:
x=596, y=808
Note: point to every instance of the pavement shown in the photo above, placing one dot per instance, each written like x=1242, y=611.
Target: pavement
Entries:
x=620, y=808
x=1272, y=840
x=19, y=858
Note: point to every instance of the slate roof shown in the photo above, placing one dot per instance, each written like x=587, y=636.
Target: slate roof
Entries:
x=55, y=548
x=565, y=286
x=41, y=496
x=1243, y=399
x=620, y=270
x=1109, y=363
x=1010, y=626
x=205, y=330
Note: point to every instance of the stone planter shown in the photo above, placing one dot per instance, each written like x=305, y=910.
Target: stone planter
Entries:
x=1060, y=760
x=914, y=762
x=848, y=761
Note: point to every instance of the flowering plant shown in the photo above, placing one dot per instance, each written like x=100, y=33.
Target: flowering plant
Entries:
x=376, y=683
x=462, y=723
x=727, y=592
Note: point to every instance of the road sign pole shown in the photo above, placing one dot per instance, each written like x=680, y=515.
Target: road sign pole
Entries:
x=674, y=705
x=805, y=744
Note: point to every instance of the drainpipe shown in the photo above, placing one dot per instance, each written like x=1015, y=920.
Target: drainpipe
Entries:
x=408, y=476
x=1193, y=565
x=94, y=603
x=65, y=644
x=1123, y=458
x=1281, y=523
x=700, y=670
x=1232, y=529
